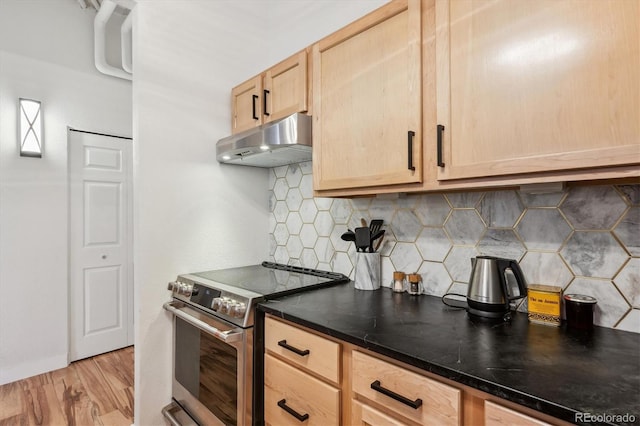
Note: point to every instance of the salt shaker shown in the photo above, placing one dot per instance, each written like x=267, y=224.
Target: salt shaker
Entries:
x=415, y=284
x=398, y=281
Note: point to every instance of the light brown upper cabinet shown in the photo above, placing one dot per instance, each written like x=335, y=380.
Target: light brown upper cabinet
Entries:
x=367, y=115
x=276, y=93
x=537, y=86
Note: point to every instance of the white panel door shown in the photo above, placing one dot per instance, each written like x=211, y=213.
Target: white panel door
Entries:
x=100, y=244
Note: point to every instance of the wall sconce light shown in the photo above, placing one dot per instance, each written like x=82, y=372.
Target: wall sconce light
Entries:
x=30, y=128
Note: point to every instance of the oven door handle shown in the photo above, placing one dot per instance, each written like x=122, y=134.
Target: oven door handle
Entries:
x=229, y=336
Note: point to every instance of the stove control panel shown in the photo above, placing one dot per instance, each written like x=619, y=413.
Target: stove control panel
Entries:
x=182, y=288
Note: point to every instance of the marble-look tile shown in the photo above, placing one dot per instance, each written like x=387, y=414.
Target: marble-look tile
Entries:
x=294, y=199
x=281, y=255
x=294, y=262
x=323, y=223
x=272, y=201
x=308, y=235
x=594, y=254
x=464, y=227
x=435, y=278
x=388, y=243
x=324, y=249
x=593, y=207
x=630, y=322
x=355, y=221
x=306, y=186
x=631, y=193
x=500, y=209
x=464, y=199
x=458, y=263
x=323, y=203
x=628, y=282
x=387, y=270
x=272, y=223
x=406, y=226
x=545, y=268
x=342, y=264
x=294, y=223
x=501, y=243
x=340, y=210
x=280, y=171
x=308, y=258
x=543, y=229
x=294, y=246
x=272, y=245
x=281, y=211
x=432, y=209
x=406, y=258
x=611, y=306
x=433, y=244
x=306, y=167
x=280, y=189
x=281, y=234
x=293, y=176
x=324, y=266
x=459, y=288
x=338, y=243
x=382, y=208
x=628, y=231
x=541, y=200
x=360, y=203
x=308, y=211
x=272, y=179
x=408, y=201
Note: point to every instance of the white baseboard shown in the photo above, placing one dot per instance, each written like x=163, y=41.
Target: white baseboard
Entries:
x=32, y=368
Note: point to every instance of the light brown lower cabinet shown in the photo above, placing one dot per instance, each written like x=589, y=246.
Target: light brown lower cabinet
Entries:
x=314, y=379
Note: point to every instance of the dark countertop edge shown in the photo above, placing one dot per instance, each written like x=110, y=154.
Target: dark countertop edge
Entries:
x=547, y=407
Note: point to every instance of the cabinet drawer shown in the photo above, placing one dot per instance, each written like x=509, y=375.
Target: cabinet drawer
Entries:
x=435, y=403
x=301, y=393
x=496, y=415
x=364, y=415
x=304, y=349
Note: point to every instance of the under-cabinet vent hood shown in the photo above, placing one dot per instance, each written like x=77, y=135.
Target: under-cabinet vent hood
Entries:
x=281, y=142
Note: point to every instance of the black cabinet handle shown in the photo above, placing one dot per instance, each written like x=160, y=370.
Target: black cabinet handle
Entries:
x=253, y=106
x=413, y=404
x=264, y=101
x=301, y=417
x=300, y=352
x=440, y=130
x=410, y=135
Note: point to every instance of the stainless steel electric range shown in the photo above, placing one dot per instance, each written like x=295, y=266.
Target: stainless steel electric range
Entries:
x=213, y=337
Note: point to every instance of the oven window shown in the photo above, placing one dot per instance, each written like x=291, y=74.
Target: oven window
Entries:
x=208, y=369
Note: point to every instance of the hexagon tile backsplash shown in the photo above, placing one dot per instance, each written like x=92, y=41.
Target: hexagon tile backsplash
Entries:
x=585, y=239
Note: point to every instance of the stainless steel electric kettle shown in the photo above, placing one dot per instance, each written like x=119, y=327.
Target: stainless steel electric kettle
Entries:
x=489, y=290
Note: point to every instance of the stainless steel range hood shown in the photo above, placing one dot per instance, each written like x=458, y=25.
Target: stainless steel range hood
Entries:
x=281, y=142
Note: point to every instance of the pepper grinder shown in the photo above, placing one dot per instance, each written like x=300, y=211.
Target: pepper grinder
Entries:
x=415, y=284
x=398, y=281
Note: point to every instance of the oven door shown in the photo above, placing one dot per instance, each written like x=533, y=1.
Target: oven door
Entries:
x=211, y=367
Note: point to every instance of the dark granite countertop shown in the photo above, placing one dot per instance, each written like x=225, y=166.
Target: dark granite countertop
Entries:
x=549, y=369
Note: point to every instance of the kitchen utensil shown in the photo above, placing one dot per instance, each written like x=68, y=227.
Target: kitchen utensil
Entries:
x=373, y=238
x=379, y=243
x=489, y=291
x=363, y=222
x=363, y=238
x=375, y=225
x=348, y=236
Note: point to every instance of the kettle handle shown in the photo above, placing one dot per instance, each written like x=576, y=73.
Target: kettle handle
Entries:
x=517, y=272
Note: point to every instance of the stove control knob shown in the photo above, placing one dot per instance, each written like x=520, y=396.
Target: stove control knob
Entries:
x=172, y=286
x=226, y=305
x=239, y=310
x=185, y=289
x=216, y=303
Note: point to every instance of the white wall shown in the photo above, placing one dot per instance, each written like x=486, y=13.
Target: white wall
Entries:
x=190, y=212
x=54, y=65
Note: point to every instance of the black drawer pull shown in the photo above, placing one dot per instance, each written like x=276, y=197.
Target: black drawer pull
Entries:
x=265, y=92
x=410, y=136
x=300, y=352
x=253, y=106
x=413, y=404
x=440, y=130
x=301, y=417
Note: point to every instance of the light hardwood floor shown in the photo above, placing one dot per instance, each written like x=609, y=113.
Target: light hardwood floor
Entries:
x=92, y=391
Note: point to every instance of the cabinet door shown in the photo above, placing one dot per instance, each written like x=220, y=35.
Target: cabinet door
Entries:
x=285, y=88
x=246, y=105
x=367, y=101
x=532, y=86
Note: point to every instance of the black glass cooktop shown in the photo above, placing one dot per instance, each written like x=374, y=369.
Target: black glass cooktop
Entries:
x=273, y=279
